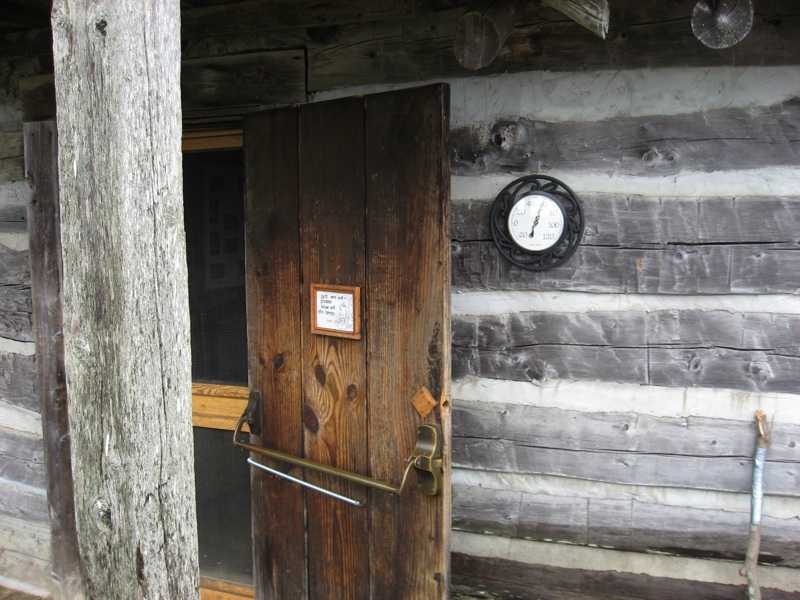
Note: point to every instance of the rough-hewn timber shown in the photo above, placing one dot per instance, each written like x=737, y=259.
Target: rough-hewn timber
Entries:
x=720, y=349
x=631, y=524
x=583, y=449
x=126, y=314
x=41, y=168
x=653, y=146
x=511, y=580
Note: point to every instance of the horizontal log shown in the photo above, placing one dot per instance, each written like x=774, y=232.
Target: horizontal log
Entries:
x=651, y=146
x=37, y=97
x=10, y=144
x=25, y=552
x=22, y=458
x=706, y=473
x=629, y=525
x=14, y=266
x=12, y=168
x=23, y=502
x=15, y=313
x=239, y=17
x=641, y=35
x=488, y=577
x=260, y=79
x=758, y=371
x=18, y=381
x=14, y=198
x=719, y=349
x=640, y=221
x=638, y=434
x=678, y=269
x=549, y=362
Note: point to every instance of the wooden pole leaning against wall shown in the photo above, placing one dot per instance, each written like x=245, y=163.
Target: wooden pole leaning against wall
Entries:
x=126, y=315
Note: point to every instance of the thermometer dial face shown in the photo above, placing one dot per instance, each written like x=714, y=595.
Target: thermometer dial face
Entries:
x=537, y=222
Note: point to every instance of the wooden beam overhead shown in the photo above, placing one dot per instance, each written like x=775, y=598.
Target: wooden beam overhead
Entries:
x=258, y=15
x=483, y=29
x=592, y=14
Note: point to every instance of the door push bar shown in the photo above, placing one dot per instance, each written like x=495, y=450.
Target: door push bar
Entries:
x=426, y=459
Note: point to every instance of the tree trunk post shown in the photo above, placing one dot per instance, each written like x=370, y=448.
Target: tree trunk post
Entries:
x=126, y=314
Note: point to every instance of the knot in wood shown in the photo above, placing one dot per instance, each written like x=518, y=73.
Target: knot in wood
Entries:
x=102, y=513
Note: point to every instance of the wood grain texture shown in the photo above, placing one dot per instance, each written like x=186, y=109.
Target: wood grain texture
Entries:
x=407, y=188
x=22, y=458
x=651, y=146
x=591, y=14
x=218, y=406
x=24, y=502
x=620, y=448
x=631, y=524
x=15, y=313
x=674, y=269
x=645, y=222
x=512, y=580
x=684, y=348
x=483, y=29
x=274, y=344
x=25, y=552
x=41, y=168
x=259, y=79
x=335, y=399
x=14, y=266
x=18, y=381
x=239, y=17
x=126, y=313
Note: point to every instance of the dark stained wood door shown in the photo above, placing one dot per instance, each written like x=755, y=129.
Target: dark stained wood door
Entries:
x=352, y=192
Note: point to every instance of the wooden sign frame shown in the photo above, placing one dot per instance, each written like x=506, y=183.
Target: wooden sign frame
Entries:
x=335, y=308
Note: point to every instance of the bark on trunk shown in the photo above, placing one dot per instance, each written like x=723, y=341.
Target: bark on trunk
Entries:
x=126, y=316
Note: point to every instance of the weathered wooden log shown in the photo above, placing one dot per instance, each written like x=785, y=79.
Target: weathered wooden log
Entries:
x=744, y=269
x=479, y=577
x=592, y=14
x=722, y=23
x=647, y=146
x=255, y=15
x=18, y=381
x=483, y=29
x=41, y=168
x=125, y=295
x=631, y=220
x=15, y=313
x=629, y=524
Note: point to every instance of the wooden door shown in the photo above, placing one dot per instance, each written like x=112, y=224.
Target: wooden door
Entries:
x=352, y=192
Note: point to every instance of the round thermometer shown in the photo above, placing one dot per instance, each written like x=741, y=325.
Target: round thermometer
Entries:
x=537, y=222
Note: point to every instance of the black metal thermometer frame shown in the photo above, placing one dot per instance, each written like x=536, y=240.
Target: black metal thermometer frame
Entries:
x=573, y=225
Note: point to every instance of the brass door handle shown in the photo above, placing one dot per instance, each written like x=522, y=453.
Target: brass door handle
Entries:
x=426, y=459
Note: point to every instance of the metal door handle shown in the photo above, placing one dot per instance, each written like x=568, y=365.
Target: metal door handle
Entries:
x=426, y=459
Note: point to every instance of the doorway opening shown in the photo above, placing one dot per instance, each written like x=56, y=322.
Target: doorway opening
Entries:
x=213, y=173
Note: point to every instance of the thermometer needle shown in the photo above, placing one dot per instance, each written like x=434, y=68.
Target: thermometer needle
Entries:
x=536, y=220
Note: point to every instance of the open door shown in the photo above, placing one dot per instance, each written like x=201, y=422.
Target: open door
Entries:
x=347, y=213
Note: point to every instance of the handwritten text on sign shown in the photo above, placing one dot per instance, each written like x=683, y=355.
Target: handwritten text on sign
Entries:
x=336, y=309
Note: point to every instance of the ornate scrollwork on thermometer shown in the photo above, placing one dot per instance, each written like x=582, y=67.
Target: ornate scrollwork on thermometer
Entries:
x=537, y=222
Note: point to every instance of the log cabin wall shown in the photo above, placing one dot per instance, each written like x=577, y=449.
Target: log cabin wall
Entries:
x=25, y=561
x=603, y=410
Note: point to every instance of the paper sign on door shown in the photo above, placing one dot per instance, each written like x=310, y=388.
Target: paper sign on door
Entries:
x=336, y=310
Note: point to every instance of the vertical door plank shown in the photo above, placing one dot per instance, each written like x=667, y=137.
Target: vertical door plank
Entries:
x=408, y=300
x=334, y=369
x=274, y=345
x=44, y=224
